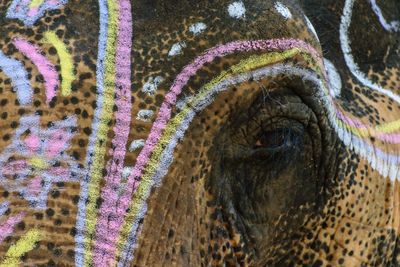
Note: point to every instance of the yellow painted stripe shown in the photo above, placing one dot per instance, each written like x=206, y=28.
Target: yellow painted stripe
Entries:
x=25, y=244
x=96, y=173
x=67, y=65
x=388, y=127
x=385, y=128
x=35, y=3
x=243, y=66
x=246, y=65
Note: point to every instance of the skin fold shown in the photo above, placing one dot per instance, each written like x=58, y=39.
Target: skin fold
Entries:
x=199, y=133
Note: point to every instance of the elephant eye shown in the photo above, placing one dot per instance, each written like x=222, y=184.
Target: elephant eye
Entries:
x=271, y=139
x=279, y=139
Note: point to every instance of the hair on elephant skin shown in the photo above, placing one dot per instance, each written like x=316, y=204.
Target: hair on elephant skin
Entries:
x=199, y=133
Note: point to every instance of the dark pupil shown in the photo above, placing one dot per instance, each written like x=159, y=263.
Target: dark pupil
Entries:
x=271, y=139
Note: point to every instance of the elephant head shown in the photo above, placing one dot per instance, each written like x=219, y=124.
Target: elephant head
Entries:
x=199, y=133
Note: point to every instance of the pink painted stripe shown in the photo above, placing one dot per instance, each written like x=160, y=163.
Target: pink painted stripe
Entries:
x=390, y=138
x=7, y=227
x=170, y=100
x=45, y=67
x=351, y=122
x=106, y=233
x=182, y=79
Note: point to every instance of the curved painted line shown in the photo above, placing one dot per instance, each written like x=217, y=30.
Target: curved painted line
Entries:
x=191, y=69
x=19, y=77
x=389, y=138
x=251, y=62
x=7, y=227
x=45, y=67
x=95, y=173
x=393, y=26
x=97, y=121
x=67, y=65
x=347, y=52
x=311, y=26
x=176, y=128
x=382, y=132
x=106, y=232
x=350, y=121
x=25, y=244
x=171, y=99
x=180, y=82
x=245, y=65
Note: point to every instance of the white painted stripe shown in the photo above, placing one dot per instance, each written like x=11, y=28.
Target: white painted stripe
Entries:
x=311, y=27
x=393, y=26
x=348, y=56
x=334, y=80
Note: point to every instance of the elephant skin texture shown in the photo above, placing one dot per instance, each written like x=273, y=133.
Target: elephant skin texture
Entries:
x=199, y=133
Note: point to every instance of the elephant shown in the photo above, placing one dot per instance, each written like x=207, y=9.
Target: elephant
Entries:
x=199, y=133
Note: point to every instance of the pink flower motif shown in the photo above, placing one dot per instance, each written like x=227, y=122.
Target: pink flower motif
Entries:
x=36, y=159
x=28, y=14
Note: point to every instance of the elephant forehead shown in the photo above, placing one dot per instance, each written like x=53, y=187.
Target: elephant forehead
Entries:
x=170, y=39
x=97, y=74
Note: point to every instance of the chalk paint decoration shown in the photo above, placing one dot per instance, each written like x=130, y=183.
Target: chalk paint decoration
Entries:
x=16, y=71
x=29, y=11
x=237, y=10
x=113, y=77
x=66, y=62
x=37, y=158
x=392, y=26
x=7, y=226
x=107, y=235
x=19, y=78
x=283, y=10
x=157, y=154
x=44, y=66
x=25, y=244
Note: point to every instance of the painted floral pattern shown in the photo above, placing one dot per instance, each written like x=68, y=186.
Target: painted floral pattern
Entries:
x=29, y=11
x=37, y=158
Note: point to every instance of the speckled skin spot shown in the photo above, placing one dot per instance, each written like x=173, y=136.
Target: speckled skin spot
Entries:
x=315, y=203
